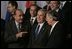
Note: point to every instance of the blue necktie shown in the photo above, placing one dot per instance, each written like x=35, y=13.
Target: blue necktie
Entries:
x=36, y=31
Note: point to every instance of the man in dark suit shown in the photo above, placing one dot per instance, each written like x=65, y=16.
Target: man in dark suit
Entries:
x=55, y=39
x=27, y=13
x=16, y=31
x=33, y=12
x=66, y=12
x=2, y=33
x=39, y=35
x=54, y=5
x=12, y=6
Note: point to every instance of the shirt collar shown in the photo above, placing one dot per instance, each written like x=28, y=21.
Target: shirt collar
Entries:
x=33, y=17
x=57, y=10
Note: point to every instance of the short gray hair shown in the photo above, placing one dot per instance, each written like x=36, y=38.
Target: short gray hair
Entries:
x=52, y=14
x=43, y=10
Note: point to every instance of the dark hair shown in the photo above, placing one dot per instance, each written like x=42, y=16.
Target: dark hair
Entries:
x=36, y=8
x=13, y=3
x=57, y=2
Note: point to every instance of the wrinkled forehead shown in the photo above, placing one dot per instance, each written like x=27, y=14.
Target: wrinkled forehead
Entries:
x=9, y=5
x=40, y=12
x=19, y=12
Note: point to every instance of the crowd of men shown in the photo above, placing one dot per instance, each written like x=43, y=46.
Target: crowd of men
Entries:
x=47, y=27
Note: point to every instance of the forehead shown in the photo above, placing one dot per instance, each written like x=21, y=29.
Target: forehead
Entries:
x=33, y=7
x=40, y=12
x=19, y=12
x=9, y=4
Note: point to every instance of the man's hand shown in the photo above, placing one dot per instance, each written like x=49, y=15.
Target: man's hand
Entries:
x=20, y=34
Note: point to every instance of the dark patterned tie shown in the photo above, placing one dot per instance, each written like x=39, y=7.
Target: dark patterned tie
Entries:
x=19, y=27
x=31, y=21
x=36, y=31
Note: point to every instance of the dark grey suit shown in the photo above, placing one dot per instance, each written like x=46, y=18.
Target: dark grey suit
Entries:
x=10, y=35
x=41, y=40
x=56, y=39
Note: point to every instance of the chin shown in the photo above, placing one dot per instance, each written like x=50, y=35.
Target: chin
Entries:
x=20, y=21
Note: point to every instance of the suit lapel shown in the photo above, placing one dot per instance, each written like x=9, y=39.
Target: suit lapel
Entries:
x=35, y=22
x=41, y=31
x=53, y=31
x=14, y=27
x=33, y=30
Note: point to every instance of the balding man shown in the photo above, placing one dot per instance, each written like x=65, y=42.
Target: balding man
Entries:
x=39, y=35
x=16, y=31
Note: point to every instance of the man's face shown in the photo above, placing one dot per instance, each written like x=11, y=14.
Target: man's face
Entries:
x=49, y=19
x=10, y=8
x=33, y=11
x=19, y=16
x=54, y=5
x=40, y=17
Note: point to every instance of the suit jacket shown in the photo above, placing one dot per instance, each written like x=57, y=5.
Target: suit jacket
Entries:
x=2, y=33
x=10, y=35
x=60, y=16
x=8, y=15
x=41, y=40
x=55, y=39
x=66, y=11
x=35, y=22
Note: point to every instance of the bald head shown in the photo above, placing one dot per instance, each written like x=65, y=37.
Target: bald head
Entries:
x=18, y=16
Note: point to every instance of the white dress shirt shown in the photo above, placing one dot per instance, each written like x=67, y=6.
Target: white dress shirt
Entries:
x=57, y=10
x=41, y=24
x=17, y=25
x=34, y=18
x=62, y=4
x=53, y=27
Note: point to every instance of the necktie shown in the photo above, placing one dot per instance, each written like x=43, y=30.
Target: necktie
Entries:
x=19, y=27
x=31, y=21
x=36, y=31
